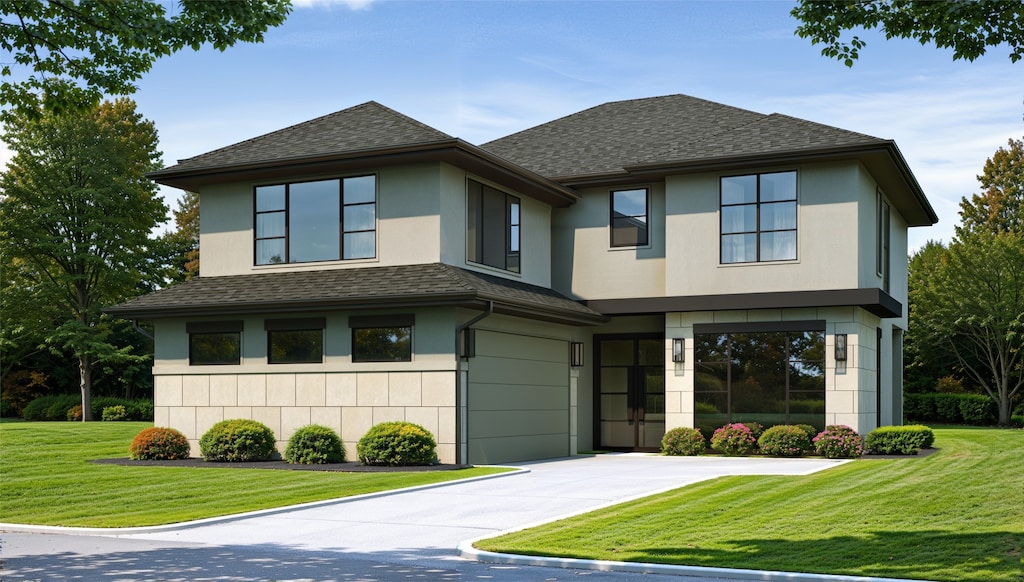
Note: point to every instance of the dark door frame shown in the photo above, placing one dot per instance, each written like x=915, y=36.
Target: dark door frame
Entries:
x=596, y=375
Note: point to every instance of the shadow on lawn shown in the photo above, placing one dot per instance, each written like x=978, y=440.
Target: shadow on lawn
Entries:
x=929, y=555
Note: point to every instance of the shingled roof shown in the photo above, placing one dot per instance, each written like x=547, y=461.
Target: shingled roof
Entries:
x=369, y=126
x=404, y=286
x=606, y=139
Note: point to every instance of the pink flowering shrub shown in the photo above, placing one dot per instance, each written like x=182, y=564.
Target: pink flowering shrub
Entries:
x=839, y=442
x=733, y=440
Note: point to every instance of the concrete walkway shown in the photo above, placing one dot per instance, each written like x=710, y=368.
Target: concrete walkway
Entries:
x=425, y=525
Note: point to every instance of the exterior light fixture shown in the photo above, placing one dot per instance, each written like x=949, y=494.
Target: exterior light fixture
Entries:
x=678, y=349
x=840, y=347
x=576, y=354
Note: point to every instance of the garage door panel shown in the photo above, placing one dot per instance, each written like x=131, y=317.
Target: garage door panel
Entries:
x=510, y=397
x=519, y=347
x=509, y=450
x=513, y=423
x=489, y=370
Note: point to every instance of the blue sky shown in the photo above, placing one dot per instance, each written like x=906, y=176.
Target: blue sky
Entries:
x=480, y=70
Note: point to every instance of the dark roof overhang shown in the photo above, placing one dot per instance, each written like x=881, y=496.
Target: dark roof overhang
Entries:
x=873, y=300
x=452, y=151
x=883, y=160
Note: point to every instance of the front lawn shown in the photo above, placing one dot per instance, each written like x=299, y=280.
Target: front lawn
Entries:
x=957, y=514
x=46, y=479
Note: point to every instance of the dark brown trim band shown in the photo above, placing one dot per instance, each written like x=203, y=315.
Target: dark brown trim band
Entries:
x=759, y=326
x=214, y=326
x=364, y=321
x=873, y=300
x=298, y=324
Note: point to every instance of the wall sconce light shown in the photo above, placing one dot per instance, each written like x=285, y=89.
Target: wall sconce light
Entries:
x=576, y=354
x=840, y=347
x=678, y=349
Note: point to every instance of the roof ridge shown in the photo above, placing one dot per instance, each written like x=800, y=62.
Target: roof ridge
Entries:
x=455, y=274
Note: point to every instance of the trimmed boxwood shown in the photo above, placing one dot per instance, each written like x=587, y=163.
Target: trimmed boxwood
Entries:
x=397, y=444
x=238, y=440
x=784, y=440
x=159, y=444
x=900, y=440
x=314, y=444
x=683, y=441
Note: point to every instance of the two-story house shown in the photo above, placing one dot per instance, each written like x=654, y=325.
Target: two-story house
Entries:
x=584, y=284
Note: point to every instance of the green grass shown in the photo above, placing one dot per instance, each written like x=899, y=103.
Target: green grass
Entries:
x=46, y=479
x=957, y=514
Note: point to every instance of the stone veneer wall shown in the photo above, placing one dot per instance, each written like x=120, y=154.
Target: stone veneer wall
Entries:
x=348, y=402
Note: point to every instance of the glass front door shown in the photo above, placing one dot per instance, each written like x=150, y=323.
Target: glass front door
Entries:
x=630, y=391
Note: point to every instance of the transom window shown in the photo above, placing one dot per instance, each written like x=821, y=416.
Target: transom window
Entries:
x=492, y=227
x=758, y=214
x=629, y=217
x=325, y=220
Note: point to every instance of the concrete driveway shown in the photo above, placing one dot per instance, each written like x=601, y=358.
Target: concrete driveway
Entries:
x=421, y=528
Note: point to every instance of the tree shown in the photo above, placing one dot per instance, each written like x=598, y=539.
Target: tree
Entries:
x=969, y=28
x=80, y=50
x=972, y=304
x=183, y=243
x=1000, y=206
x=927, y=361
x=75, y=222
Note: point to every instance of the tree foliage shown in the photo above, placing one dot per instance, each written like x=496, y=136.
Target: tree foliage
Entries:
x=75, y=225
x=79, y=50
x=969, y=28
x=182, y=244
x=1000, y=205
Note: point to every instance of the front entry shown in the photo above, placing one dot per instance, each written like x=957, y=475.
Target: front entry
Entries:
x=630, y=391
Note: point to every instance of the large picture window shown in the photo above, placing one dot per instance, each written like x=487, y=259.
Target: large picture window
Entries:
x=629, y=212
x=295, y=341
x=770, y=377
x=214, y=343
x=492, y=227
x=758, y=218
x=324, y=220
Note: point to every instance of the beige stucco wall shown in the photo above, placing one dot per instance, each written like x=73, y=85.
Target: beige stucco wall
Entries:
x=345, y=396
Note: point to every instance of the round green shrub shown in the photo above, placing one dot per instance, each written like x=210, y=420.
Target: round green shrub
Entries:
x=900, y=440
x=784, y=440
x=839, y=442
x=75, y=413
x=756, y=428
x=159, y=444
x=314, y=444
x=811, y=433
x=683, y=441
x=237, y=440
x=733, y=439
x=51, y=407
x=115, y=413
x=397, y=444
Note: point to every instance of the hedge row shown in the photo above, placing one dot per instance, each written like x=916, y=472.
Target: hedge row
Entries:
x=972, y=409
x=49, y=408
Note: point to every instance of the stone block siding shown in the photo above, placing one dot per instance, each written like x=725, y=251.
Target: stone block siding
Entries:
x=349, y=403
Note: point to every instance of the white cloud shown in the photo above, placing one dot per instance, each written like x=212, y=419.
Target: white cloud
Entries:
x=350, y=4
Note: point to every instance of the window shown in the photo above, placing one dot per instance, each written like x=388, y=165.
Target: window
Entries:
x=882, y=259
x=295, y=341
x=629, y=217
x=758, y=218
x=382, y=338
x=214, y=343
x=771, y=376
x=492, y=227
x=325, y=220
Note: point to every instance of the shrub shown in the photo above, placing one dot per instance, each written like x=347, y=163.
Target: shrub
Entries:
x=705, y=408
x=756, y=428
x=811, y=432
x=159, y=444
x=115, y=413
x=397, y=444
x=314, y=444
x=237, y=440
x=947, y=408
x=919, y=407
x=784, y=440
x=733, y=439
x=900, y=440
x=1017, y=420
x=50, y=407
x=21, y=387
x=683, y=441
x=978, y=410
x=949, y=385
x=75, y=413
x=839, y=442
x=141, y=410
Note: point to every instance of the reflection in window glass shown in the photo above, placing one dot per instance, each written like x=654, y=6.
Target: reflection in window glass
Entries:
x=629, y=210
x=295, y=346
x=313, y=221
x=758, y=218
x=214, y=349
x=382, y=344
x=493, y=227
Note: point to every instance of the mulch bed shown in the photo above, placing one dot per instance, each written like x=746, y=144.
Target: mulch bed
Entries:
x=354, y=467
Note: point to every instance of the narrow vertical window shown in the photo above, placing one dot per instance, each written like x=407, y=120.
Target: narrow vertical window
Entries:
x=629, y=214
x=758, y=218
x=493, y=223
x=884, y=240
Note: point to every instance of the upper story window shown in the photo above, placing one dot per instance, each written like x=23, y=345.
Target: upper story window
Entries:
x=295, y=341
x=325, y=220
x=884, y=239
x=629, y=214
x=492, y=229
x=758, y=218
x=214, y=343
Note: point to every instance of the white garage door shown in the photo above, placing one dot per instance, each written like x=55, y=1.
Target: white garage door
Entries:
x=518, y=398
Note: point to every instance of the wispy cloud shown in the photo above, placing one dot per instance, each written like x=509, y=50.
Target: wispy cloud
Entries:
x=350, y=4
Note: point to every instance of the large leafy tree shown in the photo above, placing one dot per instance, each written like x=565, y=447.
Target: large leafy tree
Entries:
x=1000, y=205
x=183, y=243
x=75, y=223
x=76, y=51
x=970, y=28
